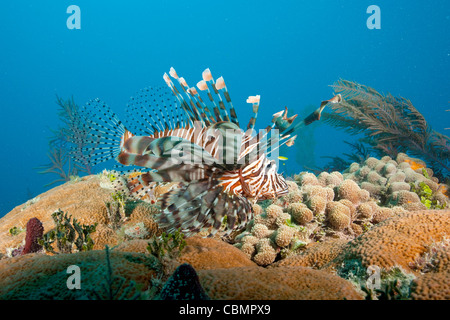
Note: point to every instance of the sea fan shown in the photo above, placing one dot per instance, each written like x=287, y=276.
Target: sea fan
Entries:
x=390, y=124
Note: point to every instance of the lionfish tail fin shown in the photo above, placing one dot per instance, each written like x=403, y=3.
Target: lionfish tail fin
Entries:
x=100, y=137
x=202, y=205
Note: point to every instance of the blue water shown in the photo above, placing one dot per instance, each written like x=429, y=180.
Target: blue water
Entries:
x=289, y=52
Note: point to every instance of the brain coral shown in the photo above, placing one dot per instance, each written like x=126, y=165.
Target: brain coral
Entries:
x=284, y=235
x=287, y=283
x=265, y=252
x=270, y=232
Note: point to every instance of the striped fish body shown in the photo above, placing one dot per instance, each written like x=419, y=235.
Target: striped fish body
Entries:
x=220, y=169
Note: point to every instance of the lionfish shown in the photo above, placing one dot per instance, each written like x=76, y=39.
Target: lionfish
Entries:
x=197, y=142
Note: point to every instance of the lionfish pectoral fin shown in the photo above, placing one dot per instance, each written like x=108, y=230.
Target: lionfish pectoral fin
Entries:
x=98, y=137
x=134, y=144
x=200, y=205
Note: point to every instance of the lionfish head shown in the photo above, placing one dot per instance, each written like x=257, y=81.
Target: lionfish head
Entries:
x=274, y=184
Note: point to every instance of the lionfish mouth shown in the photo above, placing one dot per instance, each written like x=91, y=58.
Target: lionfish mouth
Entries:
x=182, y=137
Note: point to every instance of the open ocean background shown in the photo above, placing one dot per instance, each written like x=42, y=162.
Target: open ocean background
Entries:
x=289, y=52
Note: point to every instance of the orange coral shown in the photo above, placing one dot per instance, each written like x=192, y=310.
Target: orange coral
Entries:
x=398, y=241
x=28, y=276
x=414, y=165
x=209, y=253
x=294, y=283
x=84, y=200
x=315, y=255
x=432, y=286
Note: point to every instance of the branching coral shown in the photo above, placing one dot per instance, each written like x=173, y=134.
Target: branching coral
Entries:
x=390, y=124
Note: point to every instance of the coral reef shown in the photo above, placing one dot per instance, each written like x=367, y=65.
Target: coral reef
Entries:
x=317, y=208
x=315, y=255
x=392, y=182
x=390, y=125
x=316, y=242
x=285, y=283
x=84, y=201
x=39, y=276
x=398, y=241
x=432, y=286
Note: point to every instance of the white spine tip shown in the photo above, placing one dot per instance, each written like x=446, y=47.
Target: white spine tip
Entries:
x=167, y=79
x=253, y=99
x=291, y=141
x=206, y=75
x=202, y=85
x=278, y=114
x=220, y=83
x=192, y=91
x=183, y=82
x=173, y=73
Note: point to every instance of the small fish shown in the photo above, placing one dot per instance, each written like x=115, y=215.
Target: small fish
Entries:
x=282, y=158
x=184, y=141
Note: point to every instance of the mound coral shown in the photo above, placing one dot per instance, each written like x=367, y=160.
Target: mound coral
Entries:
x=271, y=232
x=327, y=206
x=392, y=182
x=39, y=276
x=398, y=241
x=300, y=213
x=315, y=255
x=432, y=286
x=209, y=253
x=275, y=283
